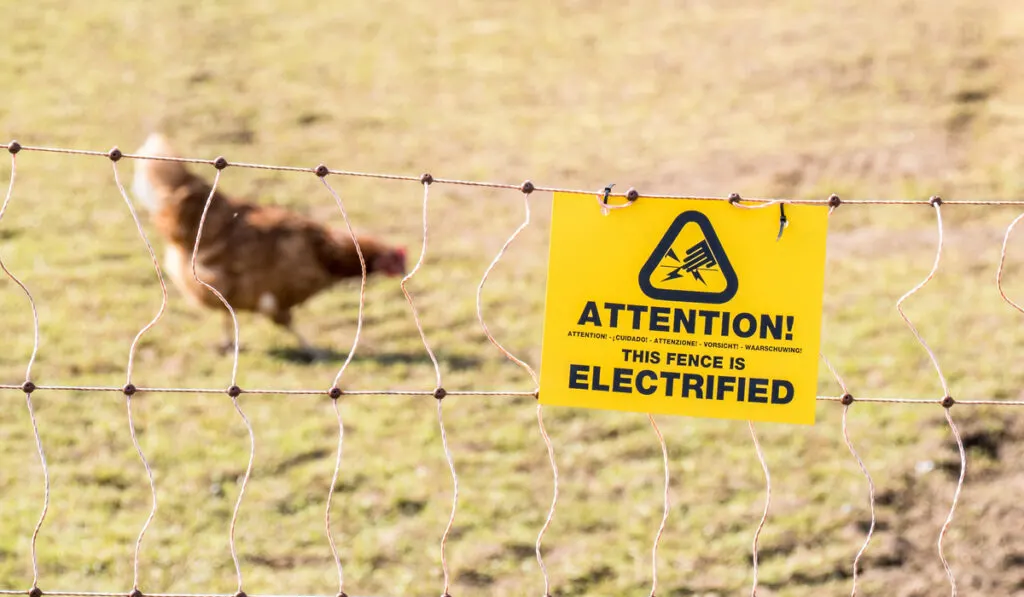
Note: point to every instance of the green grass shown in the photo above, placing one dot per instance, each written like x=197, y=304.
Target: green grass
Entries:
x=898, y=100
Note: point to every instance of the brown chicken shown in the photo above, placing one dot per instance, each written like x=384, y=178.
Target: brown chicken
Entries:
x=263, y=259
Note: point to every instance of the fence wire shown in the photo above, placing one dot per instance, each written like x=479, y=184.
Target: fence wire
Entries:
x=334, y=391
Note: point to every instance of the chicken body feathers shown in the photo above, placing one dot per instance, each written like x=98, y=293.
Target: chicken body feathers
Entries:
x=261, y=258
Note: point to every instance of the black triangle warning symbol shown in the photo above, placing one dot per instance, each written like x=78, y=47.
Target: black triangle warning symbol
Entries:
x=689, y=264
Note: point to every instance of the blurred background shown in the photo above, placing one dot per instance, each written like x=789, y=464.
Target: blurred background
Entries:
x=793, y=99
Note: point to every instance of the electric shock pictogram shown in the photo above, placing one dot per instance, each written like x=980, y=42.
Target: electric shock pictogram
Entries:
x=702, y=275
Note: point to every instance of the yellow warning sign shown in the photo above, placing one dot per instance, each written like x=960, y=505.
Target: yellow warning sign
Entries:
x=684, y=307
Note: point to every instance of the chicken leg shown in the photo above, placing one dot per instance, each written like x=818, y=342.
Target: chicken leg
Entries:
x=307, y=350
x=227, y=345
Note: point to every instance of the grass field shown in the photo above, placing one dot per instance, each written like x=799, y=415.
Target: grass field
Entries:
x=786, y=99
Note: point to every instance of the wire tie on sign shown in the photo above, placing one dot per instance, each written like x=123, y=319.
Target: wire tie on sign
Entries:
x=631, y=196
x=783, y=222
x=603, y=202
x=607, y=191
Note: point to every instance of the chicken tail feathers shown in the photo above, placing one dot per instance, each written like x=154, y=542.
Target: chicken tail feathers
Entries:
x=154, y=177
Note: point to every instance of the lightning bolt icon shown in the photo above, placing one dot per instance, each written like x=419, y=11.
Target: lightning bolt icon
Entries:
x=697, y=257
x=674, y=274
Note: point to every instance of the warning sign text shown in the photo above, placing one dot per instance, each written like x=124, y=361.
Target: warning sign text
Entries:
x=684, y=307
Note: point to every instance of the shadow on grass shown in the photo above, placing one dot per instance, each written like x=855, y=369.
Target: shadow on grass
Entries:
x=296, y=355
x=299, y=356
x=449, y=362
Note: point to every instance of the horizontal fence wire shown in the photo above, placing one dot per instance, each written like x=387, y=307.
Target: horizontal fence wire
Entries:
x=32, y=593
x=116, y=154
x=481, y=393
x=130, y=390
x=282, y=392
